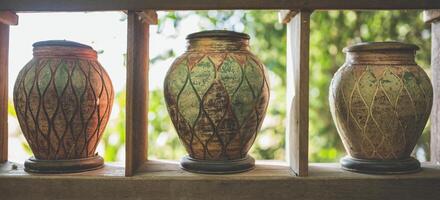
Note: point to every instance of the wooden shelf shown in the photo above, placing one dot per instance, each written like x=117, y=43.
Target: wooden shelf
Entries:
x=165, y=180
x=101, y=5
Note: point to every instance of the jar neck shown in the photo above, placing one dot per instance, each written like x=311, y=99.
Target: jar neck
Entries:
x=64, y=52
x=218, y=44
x=385, y=57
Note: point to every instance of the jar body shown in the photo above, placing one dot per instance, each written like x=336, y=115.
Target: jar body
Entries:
x=217, y=99
x=63, y=98
x=380, y=102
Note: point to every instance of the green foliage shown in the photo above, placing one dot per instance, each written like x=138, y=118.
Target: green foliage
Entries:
x=163, y=142
x=11, y=110
x=114, y=134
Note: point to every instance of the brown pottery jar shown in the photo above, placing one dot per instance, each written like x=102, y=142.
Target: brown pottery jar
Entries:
x=380, y=101
x=63, y=98
x=217, y=94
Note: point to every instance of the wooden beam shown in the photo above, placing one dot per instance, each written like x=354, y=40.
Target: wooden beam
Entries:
x=164, y=181
x=284, y=16
x=100, y=5
x=298, y=36
x=4, y=47
x=148, y=16
x=8, y=18
x=137, y=89
x=434, y=17
x=431, y=15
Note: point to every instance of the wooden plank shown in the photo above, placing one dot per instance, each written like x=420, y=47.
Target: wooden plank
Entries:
x=8, y=18
x=431, y=15
x=284, y=16
x=148, y=16
x=17, y=170
x=326, y=181
x=137, y=92
x=4, y=53
x=298, y=36
x=264, y=170
x=166, y=169
x=435, y=68
x=100, y=5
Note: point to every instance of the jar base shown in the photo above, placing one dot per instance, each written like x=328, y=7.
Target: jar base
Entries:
x=34, y=165
x=217, y=167
x=404, y=166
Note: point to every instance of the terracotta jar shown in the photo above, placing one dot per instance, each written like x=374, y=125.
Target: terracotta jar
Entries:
x=63, y=98
x=380, y=101
x=217, y=94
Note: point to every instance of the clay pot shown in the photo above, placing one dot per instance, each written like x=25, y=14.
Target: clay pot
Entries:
x=380, y=101
x=217, y=94
x=63, y=98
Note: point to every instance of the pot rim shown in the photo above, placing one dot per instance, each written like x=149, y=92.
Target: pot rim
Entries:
x=218, y=33
x=374, y=46
x=61, y=43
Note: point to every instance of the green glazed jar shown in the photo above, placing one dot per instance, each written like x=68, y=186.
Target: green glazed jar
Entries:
x=217, y=93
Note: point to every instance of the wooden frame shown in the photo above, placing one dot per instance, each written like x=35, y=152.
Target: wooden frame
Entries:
x=433, y=17
x=297, y=128
x=7, y=18
x=100, y=5
x=137, y=88
x=165, y=181
x=167, y=177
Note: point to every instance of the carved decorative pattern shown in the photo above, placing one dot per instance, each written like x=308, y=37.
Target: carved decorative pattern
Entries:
x=217, y=102
x=63, y=106
x=380, y=111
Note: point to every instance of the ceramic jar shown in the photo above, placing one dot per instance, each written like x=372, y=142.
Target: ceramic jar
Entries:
x=217, y=93
x=380, y=101
x=63, y=98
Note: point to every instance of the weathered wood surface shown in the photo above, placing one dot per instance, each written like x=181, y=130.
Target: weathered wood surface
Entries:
x=284, y=16
x=137, y=92
x=88, y=5
x=171, y=169
x=434, y=17
x=298, y=30
x=4, y=49
x=8, y=18
x=164, y=180
x=148, y=16
x=431, y=15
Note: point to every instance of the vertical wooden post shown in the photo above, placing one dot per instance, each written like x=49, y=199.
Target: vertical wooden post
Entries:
x=297, y=133
x=4, y=48
x=6, y=19
x=137, y=88
x=433, y=17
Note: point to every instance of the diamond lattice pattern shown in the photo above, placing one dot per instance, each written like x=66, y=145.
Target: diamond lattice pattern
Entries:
x=217, y=102
x=380, y=111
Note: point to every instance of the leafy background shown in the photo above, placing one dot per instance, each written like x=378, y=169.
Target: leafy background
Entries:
x=331, y=32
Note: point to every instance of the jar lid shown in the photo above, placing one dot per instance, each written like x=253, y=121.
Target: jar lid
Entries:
x=372, y=46
x=62, y=43
x=218, y=33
